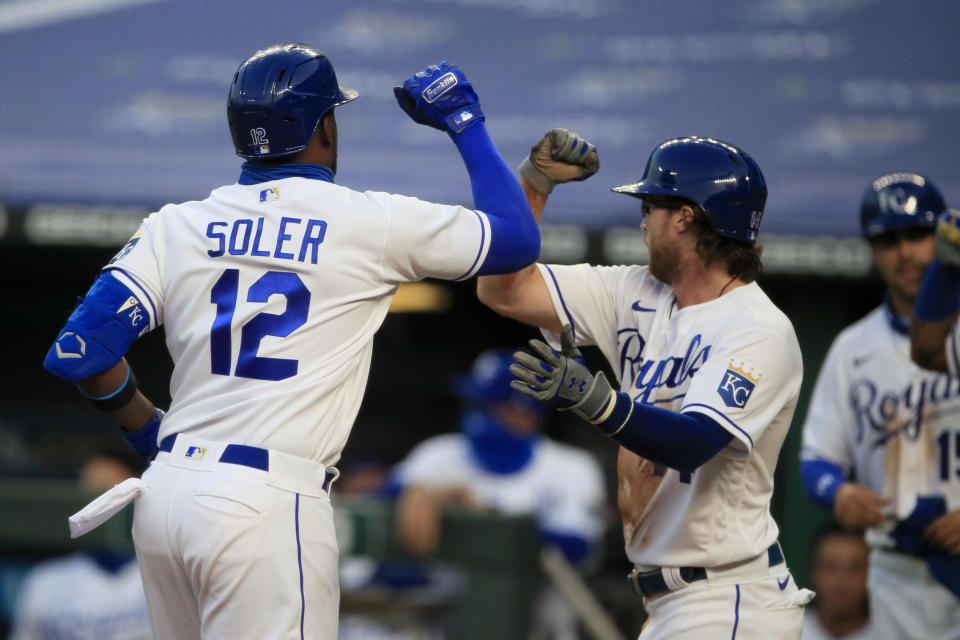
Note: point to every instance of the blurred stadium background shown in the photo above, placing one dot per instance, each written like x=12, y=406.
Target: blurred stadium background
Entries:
x=110, y=108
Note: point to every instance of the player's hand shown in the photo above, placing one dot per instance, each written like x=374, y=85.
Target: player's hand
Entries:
x=948, y=237
x=944, y=532
x=560, y=156
x=857, y=506
x=561, y=379
x=441, y=97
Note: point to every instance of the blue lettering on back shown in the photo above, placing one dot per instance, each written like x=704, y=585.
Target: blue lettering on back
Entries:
x=219, y=237
x=243, y=239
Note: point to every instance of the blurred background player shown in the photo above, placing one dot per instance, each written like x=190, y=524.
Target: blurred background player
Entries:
x=709, y=371
x=841, y=610
x=935, y=333
x=499, y=459
x=90, y=594
x=878, y=441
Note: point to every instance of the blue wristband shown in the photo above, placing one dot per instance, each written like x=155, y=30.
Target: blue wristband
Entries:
x=939, y=296
x=822, y=478
x=144, y=439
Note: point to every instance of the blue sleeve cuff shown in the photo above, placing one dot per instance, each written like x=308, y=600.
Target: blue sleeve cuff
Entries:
x=822, y=478
x=574, y=548
x=514, y=236
x=681, y=441
x=939, y=296
x=144, y=439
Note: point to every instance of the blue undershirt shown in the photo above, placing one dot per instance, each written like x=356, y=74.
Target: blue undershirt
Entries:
x=681, y=441
x=253, y=173
x=514, y=236
x=822, y=478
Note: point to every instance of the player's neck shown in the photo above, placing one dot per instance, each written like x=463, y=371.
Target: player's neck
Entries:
x=698, y=283
x=902, y=306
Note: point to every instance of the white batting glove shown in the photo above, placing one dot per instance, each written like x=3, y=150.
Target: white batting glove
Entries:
x=560, y=156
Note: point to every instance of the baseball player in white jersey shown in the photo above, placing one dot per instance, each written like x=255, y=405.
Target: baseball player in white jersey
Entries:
x=500, y=460
x=880, y=441
x=271, y=290
x=709, y=371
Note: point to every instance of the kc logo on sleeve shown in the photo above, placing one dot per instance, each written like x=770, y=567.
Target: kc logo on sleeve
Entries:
x=737, y=384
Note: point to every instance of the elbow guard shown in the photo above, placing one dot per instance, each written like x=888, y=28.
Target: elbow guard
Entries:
x=99, y=331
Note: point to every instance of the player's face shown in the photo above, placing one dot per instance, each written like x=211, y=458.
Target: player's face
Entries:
x=902, y=257
x=664, y=254
x=517, y=419
x=840, y=574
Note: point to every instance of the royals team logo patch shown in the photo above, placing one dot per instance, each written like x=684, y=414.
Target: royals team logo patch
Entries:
x=737, y=384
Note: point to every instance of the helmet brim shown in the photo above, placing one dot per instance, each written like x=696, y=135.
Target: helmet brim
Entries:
x=645, y=188
x=346, y=95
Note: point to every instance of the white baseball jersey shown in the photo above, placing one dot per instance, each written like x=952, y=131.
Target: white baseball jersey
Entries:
x=734, y=359
x=877, y=415
x=271, y=294
x=561, y=486
x=73, y=598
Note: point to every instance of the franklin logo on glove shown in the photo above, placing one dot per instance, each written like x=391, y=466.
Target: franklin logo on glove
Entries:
x=439, y=87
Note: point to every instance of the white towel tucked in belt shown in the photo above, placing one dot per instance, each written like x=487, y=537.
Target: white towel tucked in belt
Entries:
x=101, y=509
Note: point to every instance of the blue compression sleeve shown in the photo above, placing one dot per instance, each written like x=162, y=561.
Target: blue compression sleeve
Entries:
x=822, y=478
x=681, y=441
x=514, y=236
x=574, y=548
x=939, y=295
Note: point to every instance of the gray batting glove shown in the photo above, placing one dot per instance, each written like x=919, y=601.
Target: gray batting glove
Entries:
x=560, y=156
x=948, y=237
x=561, y=379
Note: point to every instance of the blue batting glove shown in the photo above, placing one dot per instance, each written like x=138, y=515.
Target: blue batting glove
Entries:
x=441, y=97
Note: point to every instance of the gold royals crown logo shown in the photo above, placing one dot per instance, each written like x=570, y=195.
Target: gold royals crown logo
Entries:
x=745, y=371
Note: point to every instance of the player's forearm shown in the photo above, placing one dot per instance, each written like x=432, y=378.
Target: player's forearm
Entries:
x=928, y=343
x=110, y=385
x=514, y=236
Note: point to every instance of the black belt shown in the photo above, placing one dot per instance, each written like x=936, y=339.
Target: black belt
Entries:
x=242, y=454
x=651, y=583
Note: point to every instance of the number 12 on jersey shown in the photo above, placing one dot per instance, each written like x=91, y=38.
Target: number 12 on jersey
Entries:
x=249, y=364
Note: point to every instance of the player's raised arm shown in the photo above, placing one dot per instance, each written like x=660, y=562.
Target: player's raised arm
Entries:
x=935, y=311
x=560, y=156
x=441, y=97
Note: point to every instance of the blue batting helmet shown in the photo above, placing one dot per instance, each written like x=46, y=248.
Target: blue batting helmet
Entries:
x=278, y=97
x=488, y=383
x=899, y=200
x=722, y=179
